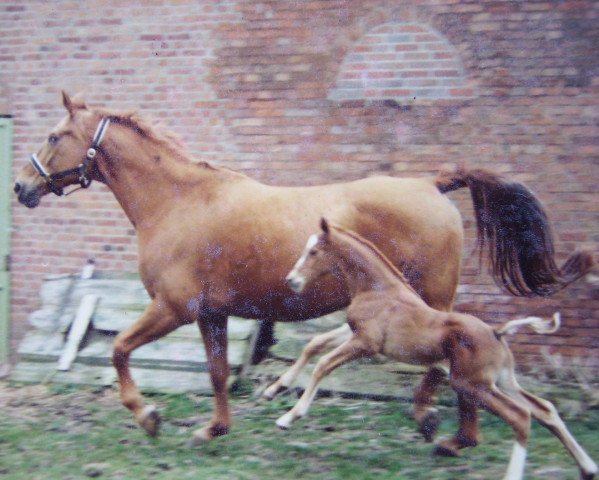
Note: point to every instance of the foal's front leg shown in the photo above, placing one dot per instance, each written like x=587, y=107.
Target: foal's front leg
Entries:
x=350, y=350
x=157, y=321
x=318, y=344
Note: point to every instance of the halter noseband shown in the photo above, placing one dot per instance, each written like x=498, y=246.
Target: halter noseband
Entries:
x=81, y=170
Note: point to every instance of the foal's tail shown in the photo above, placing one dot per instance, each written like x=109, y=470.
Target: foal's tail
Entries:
x=538, y=324
x=512, y=221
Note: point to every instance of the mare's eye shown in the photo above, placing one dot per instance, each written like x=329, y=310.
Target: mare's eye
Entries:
x=53, y=139
x=313, y=252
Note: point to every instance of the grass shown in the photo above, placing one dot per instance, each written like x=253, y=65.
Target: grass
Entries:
x=67, y=433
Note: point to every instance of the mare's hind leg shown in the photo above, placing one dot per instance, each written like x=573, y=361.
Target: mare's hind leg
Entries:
x=350, y=350
x=546, y=413
x=319, y=344
x=156, y=322
x=214, y=336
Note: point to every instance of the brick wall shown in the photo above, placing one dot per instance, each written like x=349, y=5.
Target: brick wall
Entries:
x=319, y=91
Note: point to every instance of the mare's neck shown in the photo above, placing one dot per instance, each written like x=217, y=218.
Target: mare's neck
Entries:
x=364, y=271
x=147, y=177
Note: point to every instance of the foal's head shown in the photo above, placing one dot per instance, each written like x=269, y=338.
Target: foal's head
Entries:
x=347, y=256
x=315, y=262
x=65, y=158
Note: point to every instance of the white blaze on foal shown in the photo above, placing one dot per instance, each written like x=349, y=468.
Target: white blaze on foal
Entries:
x=294, y=279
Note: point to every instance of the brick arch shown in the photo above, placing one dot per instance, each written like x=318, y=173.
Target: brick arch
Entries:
x=402, y=61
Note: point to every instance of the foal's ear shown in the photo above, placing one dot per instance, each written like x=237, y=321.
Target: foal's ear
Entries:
x=324, y=225
x=72, y=104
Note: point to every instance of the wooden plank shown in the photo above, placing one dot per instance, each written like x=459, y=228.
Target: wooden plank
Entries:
x=32, y=372
x=170, y=352
x=41, y=346
x=165, y=381
x=77, y=331
x=54, y=293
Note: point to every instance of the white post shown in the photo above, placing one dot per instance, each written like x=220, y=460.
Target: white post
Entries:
x=77, y=331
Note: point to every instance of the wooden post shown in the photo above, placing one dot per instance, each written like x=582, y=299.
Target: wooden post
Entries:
x=77, y=331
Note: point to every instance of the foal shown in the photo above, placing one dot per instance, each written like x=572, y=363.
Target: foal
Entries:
x=387, y=316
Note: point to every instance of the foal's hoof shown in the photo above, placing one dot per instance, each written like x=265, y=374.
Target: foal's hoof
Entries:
x=284, y=421
x=150, y=420
x=271, y=392
x=429, y=424
x=208, y=433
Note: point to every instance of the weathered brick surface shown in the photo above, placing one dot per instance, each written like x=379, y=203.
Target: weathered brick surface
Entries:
x=258, y=86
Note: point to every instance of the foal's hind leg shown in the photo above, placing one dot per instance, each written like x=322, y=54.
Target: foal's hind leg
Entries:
x=319, y=344
x=468, y=434
x=546, y=413
x=514, y=412
x=156, y=322
x=424, y=413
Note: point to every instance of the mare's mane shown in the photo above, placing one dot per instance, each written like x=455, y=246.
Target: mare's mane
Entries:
x=154, y=131
x=380, y=255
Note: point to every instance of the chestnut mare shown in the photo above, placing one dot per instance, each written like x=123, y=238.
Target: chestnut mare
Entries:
x=213, y=242
x=387, y=316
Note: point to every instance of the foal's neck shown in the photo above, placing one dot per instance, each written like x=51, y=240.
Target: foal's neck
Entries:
x=364, y=271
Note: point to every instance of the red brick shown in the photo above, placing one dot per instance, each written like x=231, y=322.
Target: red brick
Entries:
x=247, y=87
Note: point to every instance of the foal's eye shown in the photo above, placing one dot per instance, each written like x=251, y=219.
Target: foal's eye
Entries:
x=53, y=139
x=313, y=252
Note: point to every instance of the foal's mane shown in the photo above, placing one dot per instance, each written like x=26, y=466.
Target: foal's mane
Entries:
x=380, y=255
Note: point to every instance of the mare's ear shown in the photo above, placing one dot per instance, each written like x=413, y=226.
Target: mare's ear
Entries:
x=324, y=226
x=66, y=101
x=72, y=104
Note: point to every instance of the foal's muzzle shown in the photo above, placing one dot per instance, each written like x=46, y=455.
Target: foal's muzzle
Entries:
x=295, y=282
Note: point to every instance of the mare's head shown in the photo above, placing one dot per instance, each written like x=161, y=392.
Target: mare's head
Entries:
x=66, y=157
x=315, y=262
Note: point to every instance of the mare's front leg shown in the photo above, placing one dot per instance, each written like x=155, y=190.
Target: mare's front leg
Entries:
x=350, y=350
x=318, y=344
x=157, y=321
x=214, y=335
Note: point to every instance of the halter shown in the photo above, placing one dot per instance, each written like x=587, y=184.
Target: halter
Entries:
x=81, y=170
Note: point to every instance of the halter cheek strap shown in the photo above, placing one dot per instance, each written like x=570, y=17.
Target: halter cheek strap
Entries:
x=81, y=170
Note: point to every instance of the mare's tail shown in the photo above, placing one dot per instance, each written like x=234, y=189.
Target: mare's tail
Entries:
x=512, y=221
x=538, y=324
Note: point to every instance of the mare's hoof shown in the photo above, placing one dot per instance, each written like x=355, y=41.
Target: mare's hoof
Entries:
x=429, y=425
x=150, y=420
x=200, y=436
x=208, y=433
x=444, y=449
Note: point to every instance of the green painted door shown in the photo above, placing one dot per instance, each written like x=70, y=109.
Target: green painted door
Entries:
x=5, y=190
